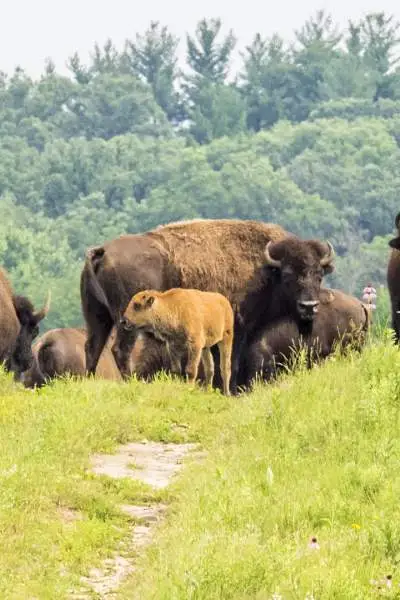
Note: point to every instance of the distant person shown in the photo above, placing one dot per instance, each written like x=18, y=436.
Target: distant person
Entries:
x=369, y=296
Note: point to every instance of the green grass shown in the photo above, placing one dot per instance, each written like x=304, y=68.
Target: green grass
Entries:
x=316, y=454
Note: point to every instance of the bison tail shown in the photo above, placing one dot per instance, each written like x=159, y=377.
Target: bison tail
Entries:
x=90, y=282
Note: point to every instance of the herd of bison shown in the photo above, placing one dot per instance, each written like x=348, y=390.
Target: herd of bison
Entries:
x=220, y=301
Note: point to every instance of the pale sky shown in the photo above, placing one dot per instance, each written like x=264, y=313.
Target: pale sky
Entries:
x=31, y=30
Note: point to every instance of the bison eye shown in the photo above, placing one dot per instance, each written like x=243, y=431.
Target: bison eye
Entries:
x=136, y=306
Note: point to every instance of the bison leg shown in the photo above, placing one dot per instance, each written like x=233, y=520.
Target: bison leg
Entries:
x=396, y=320
x=97, y=338
x=255, y=365
x=239, y=344
x=225, y=353
x=175, y=357
x=193, y=361
x=208, y=364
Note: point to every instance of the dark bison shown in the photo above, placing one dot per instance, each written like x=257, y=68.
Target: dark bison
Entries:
x=341, y=320
x=224, y=256
x=19, y=325
x=62, y=351
x=148, y=356
x=393, y=279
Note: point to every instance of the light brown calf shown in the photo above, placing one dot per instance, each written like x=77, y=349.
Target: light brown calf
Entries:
x=187, y=321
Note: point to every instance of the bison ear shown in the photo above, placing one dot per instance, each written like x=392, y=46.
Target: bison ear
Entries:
x=150, y=301
x=395, y=243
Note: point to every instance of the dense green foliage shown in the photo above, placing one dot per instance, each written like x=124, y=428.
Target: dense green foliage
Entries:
x=305, y=135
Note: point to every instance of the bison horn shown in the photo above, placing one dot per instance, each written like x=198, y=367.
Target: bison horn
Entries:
x=40, y=314
x=272, y=262
x=329, y=256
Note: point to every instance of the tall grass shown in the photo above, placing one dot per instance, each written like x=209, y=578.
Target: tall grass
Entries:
x=315, y=454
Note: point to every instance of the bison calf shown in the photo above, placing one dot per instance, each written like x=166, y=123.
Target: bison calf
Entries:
x=189, y=322
x=61, y=352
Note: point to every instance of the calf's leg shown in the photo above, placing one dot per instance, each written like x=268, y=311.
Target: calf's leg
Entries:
x=208, y=364
x=193, y=361
x=225, y=352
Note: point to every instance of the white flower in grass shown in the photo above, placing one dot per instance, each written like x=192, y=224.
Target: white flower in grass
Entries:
x=313, y=544
x=270, y=476
x=9, y=472
x=386, y=581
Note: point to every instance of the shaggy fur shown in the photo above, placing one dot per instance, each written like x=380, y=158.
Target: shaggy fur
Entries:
x=393, y=279
x=341, y=320
x=220, y=255
x=287, y=286
x=19, y=325
x=210, y=255
x=189, y=322
x=9, y=323
x=62, y=351
x=148, y=357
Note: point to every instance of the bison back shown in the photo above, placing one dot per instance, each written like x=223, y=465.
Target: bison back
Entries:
x=220, y=255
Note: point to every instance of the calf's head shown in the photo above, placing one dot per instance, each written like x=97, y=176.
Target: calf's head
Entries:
x=299, y=267
x=136, y=316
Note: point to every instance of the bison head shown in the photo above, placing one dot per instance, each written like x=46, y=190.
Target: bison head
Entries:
x=298, y=268
x=21, y=358
x=395, y=242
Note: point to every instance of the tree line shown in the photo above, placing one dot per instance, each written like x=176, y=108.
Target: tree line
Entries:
x=305, y=134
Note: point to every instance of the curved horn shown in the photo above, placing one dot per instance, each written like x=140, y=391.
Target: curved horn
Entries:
x=40, y=314
x=329, y=256
x=271, y=262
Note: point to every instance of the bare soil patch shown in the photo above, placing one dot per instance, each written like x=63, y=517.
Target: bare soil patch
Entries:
x=154, y=464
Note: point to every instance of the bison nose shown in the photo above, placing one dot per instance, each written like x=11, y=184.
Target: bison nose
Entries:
x=307, y=308
x=125, y=323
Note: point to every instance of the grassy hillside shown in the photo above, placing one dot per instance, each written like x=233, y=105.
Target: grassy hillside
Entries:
x=314, y=455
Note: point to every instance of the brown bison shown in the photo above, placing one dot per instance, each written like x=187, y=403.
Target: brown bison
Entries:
x=341, y=320
x=62, y=351
x=19, y=325
x=148, y=356
x=393, y=279
x=223, y=256
x=189, y=322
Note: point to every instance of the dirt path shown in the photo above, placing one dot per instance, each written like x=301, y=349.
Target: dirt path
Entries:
x=154, y=464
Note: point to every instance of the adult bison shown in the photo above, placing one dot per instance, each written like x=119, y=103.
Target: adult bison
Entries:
x=223, y=255
x=393, y=279
x=62, y=351
x=19, y=325
x=342, y=320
